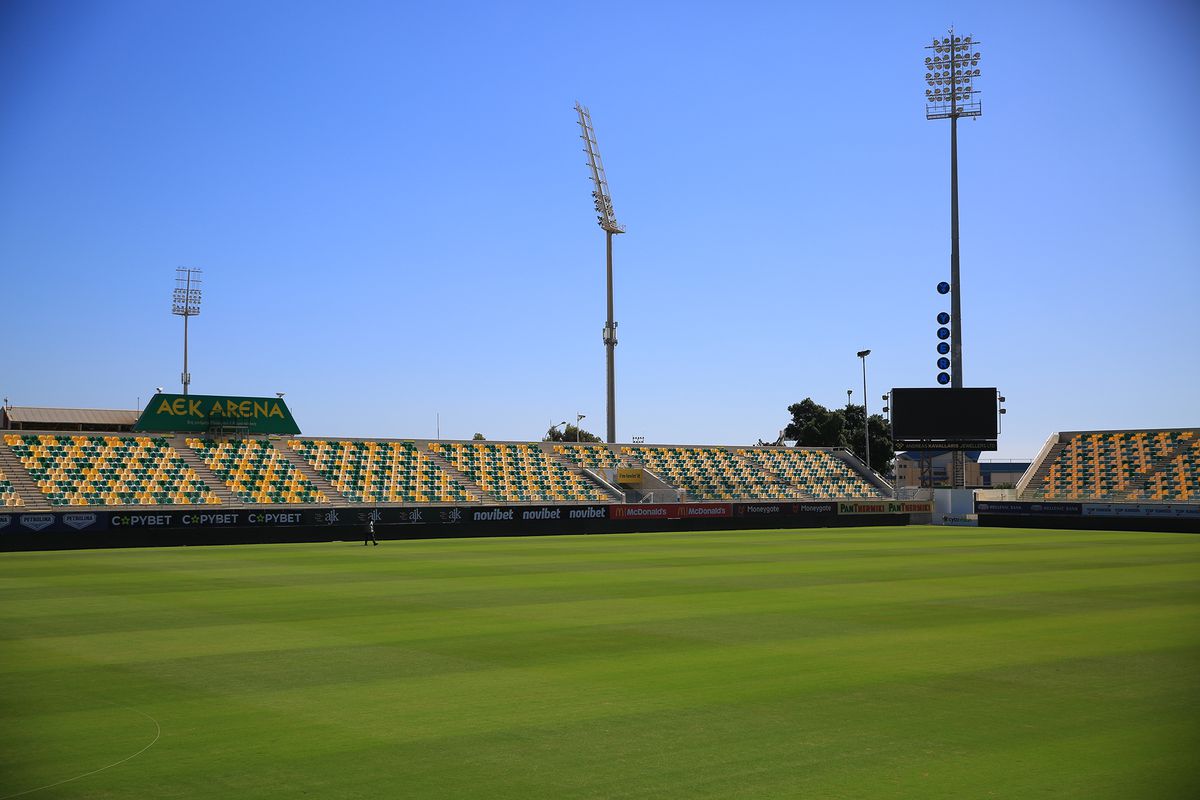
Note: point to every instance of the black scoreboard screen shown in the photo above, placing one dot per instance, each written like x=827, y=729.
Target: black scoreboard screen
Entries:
x=944, y=415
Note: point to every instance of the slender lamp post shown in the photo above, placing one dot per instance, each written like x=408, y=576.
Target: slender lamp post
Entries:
x=887, y=416
x=949, y=72
x=185, y=302
x=578, y=419
x=866, y=419
x=607, y=219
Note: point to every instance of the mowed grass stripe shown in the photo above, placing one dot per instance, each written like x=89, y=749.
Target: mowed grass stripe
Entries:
x=874, y=662
x=349, y=576
x=410, y=617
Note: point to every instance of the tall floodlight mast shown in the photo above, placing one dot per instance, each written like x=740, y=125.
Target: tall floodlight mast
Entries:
x=608, y=223
x=949, y=73
x=185, y=302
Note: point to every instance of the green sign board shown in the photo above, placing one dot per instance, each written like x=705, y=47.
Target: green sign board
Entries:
x=199, y=413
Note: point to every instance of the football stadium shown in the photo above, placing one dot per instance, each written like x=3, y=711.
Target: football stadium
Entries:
x=774, y=621
x=208, y=595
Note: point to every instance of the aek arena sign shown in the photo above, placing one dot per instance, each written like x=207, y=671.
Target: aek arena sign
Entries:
x=197, y=413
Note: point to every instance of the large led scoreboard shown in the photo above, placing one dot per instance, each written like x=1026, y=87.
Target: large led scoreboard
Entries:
x=945, y=419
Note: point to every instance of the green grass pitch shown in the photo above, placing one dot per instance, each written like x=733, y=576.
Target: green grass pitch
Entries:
x=913, y=662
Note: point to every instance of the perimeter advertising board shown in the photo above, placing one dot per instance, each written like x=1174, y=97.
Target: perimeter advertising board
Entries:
x=885, y=507
x=197, y=413
x=1027, y=507
x=1054, y=509
x=771, y=509
x=206, y=524
x=150, y=519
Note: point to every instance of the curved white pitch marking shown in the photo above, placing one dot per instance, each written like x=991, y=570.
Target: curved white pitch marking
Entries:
x=157, y=734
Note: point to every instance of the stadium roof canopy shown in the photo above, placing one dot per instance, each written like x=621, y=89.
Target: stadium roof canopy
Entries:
x=31, y=418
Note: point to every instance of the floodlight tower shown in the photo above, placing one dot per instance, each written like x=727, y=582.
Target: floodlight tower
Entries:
x=949, y=73
x=608, y=223
x=185, y=302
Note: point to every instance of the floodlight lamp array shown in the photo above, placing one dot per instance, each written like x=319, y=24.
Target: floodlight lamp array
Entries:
x=949, y=76
x=606, y=217
x=185, y=302
x=185, y=299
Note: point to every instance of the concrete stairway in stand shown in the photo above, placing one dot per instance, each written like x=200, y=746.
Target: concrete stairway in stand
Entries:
x=470, y=485
x=334, y=497
x=26, y=489
x=584, y=474
x=771, y=475
x=1141, y=489
x=1035, y=489
x=193, y=460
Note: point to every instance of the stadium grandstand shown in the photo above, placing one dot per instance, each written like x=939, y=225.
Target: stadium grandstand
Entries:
x=51, y=458
x=64, y=461
x=1132, y=466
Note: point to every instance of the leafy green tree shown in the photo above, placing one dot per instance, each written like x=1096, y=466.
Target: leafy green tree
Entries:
x=813, y=425
x=569, y=434
x=479, y=437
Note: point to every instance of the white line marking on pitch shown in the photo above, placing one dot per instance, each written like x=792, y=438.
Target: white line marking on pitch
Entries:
x=157, y=734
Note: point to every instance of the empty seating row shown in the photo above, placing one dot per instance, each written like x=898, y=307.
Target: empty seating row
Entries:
x=78, y=470
x=1179, y=478
x=720, y=473
x=1122, y=466
x=8, y=494
x=589, y=456
x=255, y=471
x=520, y=473
x=818, y=473
x=709, y=473
x=367, y=471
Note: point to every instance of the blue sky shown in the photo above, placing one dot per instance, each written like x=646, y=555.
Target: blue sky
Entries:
x=392, y=210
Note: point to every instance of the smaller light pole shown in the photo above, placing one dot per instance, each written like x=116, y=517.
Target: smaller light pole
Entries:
x=185, y=302
x=887, y=416
x=866, y=420
x=578, y=419
x=555, y=427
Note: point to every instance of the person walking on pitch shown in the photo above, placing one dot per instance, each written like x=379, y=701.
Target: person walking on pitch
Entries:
x=370, y=537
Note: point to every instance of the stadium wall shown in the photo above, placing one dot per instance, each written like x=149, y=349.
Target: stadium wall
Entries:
x=1162, y=517
x=206, y=525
